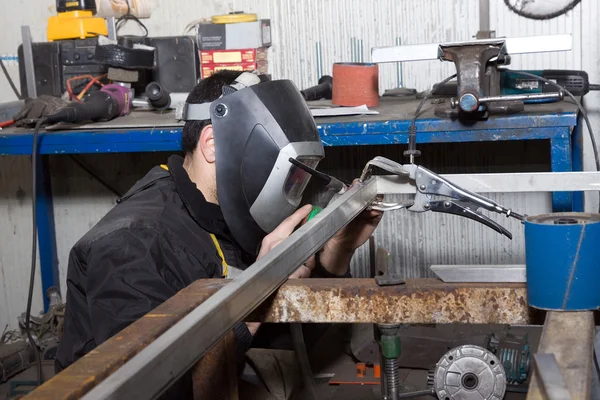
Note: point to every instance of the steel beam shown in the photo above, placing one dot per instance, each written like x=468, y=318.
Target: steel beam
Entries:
x=569, y=336
x=424, y=301
x=163, y=361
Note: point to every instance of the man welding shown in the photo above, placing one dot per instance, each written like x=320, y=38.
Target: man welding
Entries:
x=230, y=200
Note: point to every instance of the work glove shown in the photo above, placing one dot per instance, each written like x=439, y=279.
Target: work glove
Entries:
x=34, y=109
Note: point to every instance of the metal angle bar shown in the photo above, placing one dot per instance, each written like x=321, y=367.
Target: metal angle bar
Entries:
x=167, y=358
x=28, y=61
x=551, y=377
x=480, y=273
x=518, y=45
x=503, y=183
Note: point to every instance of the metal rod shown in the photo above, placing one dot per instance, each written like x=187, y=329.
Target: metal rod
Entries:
x=359, y=51
x=484, y=15
x=28, y=61
x=160, y=364
x=353, y=50
x=112, y=28
x=399, y=65
x=519, y=45
x=319, y=61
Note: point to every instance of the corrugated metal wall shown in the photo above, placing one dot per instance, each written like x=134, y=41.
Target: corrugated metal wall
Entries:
x=415, y=240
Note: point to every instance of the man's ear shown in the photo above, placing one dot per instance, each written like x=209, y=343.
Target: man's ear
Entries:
x=206, y=144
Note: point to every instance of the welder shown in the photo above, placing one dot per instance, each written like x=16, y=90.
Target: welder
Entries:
x=231, y=198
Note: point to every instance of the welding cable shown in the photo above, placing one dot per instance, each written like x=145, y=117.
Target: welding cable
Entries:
x=10, y=81
x=129, y=16
x=34, y=155
x=581, y=110
x=308, y=378
x=412, y=130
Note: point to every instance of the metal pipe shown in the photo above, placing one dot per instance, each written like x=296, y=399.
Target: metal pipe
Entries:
x=360, y=51
x=399, y=65
x=353, y=49
x=166, y=359
x=319, y=61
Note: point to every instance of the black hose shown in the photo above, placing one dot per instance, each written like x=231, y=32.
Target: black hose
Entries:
x=34, y=155
x=412, y=130
x=302, y=357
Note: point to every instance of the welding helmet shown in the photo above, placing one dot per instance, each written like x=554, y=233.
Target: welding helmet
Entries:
x=258, y=126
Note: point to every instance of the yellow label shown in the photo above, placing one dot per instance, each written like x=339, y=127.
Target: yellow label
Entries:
x=233, y=57
x=72, y=4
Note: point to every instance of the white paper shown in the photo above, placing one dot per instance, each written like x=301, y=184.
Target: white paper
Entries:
x=337, y=111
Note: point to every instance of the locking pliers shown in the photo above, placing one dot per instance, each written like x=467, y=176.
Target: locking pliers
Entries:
x=435, y=193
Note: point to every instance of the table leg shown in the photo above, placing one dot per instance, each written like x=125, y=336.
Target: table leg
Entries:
x=577, y=155
x=46, y=231
x=560, y=153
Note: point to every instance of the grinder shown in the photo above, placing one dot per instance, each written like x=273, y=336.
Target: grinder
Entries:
x=258, y=126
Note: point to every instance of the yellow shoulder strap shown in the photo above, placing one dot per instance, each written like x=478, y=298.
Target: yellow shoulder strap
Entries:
x=220, y=252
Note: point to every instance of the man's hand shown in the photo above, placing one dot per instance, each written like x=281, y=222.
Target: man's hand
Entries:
x=281, y=233
x=338, y=251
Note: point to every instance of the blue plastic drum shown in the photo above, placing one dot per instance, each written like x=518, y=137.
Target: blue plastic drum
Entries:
x=563, y=261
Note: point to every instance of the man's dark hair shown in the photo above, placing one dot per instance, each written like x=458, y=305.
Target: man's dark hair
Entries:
x=208, y=90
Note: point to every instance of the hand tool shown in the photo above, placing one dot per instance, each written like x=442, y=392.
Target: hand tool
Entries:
x=111, y=101
x=429, y=184
x=320, y=91
x=576, y=82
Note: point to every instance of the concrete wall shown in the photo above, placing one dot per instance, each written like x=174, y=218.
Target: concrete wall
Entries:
x=416, y=241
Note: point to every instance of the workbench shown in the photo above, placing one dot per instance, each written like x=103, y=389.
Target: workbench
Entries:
x=146, y=131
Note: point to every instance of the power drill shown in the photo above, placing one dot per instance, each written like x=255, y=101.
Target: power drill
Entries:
x=111, y=101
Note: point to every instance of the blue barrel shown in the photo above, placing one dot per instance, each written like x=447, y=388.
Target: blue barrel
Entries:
x=563, y=261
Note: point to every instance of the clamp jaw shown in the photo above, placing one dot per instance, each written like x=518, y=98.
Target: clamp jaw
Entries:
x=435, y=193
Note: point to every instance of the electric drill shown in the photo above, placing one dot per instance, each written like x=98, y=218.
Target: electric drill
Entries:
x=103, y=105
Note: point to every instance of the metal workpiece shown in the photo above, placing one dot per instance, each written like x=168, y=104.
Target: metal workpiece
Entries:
x=419, y=301
x=550, y=377
x=28, y=62
x=521, y=182
x=569, y=337
x=480, y=273
x=561, y=254
x=469, y=373
x=518, y=45
x=163, y=361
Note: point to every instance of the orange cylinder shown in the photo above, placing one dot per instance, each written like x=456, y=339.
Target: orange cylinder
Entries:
x=355, y=84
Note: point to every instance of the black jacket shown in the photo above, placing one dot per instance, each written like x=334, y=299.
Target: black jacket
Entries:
x=154, y=243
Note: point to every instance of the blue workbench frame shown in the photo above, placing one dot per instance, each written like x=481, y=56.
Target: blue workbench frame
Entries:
x=558, y=127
